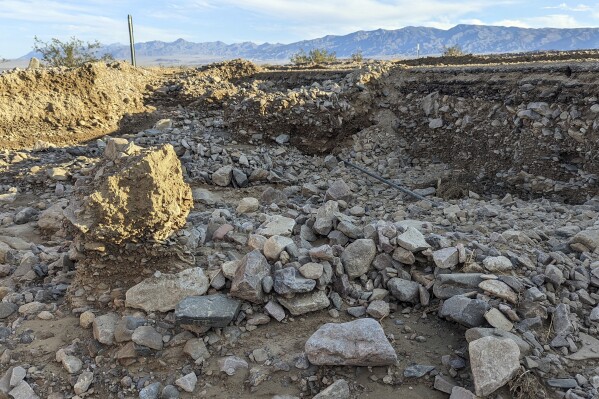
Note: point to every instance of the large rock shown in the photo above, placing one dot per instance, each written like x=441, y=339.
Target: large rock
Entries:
x=137, y=197
x=275, y=245
x=493, y=361
x=326, y=214
x=449, y=285
x=473, y=334
x=222, y=176
x=304, y=303
x=290, y=281
x=357, y=343
x=337, y=390
x=468, y=312
x=104, y=326
x=277, y=225
x=51, y=219
x=216, y=310
x=164, y=292
x=497, y=264
x=339, y=190
x=358, y=256
x=589, y=238
x=247, y=283
x=446, y=258
x=412, y=240
x=403, y=290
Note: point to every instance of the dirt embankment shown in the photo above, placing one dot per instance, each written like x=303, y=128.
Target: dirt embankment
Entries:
x=65, y=106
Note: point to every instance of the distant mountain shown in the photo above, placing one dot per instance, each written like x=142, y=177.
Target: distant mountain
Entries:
x=476, y=39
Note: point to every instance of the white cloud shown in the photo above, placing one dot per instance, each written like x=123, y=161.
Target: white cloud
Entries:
x=566, y=7
x=546, y=21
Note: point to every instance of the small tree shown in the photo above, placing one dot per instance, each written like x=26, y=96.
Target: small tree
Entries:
x=299, y=58
x=453, y=51
x=71, y=53
x=357, y=56
x=315, y=56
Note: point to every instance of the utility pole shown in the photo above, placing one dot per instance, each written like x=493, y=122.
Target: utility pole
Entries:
x=131, y=41
x=418, y=50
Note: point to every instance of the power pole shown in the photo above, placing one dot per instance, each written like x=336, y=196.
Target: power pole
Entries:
x=418, y=50
x=131, y=41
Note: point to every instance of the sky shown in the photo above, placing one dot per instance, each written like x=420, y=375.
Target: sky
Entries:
x=259, y=21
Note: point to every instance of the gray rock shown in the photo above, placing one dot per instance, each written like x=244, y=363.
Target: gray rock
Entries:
x=164, y=292
x=125, y=327
x=443, y=383
x=248, y=205
x=222, y=176
x=337, y=390
x=83, y=383
x=562, y=325
x=589, y=238
x=449, y=285
x=323, y=224
x=497, y=264
x=339, y=190
x=417, y=371
x=72, y=364
x=240, y=178
x=403, y=290
x=290, y=281
x=170, y=392
x=312, y=270
x=196, y=348
x=216, y=310
x=473, y=334
x=277, y=225
x=6, y=309
x=103, y=328
x=275, y=245
x=23, y=391
x=466, y=311
x=25, y=215
x=150, y=392
x=446, y=258
x=461, y=393
x=360, y=342
x=231, y=364
x=272, y=196
x=378, y=309
x=358, y=256
x=187, y=382
x=493, y=361
x=147, y=336
x=589, y=348
x=247, y=283
x=412, y=240
x=562, y=383
x=18, y=374
x=275, y=310
x=304, y=303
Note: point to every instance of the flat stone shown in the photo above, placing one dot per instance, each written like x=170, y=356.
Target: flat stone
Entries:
x=6, y=309
x=337, y=390
x=23, y=391
x=358, y=256
x=304, y=303
x=275, y=310
x=417, y=371
x=498, y=320
x=161, y=294
x=360, y=342
x=216, y=310
x=493, y=361
x=497, y=264
x=589, y=348
x=196, y=348
x=461, y=393
x=499, y=289
x=562, y=383
x=589, y=238
x=463, y=310
x=247, y=283
x=83, y=383
x=147, y=336
x=289, y=281
x=402, y=255
x=446, y=258
x=104, y=326
x=412, y=240
x=18, y=374
x=187, y=382
x=277, y=225
x=443, y=383
x=403, y=290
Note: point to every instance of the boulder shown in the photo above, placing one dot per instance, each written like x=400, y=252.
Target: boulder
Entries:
x=247, y=282
x=493, y=361
x=358, y=256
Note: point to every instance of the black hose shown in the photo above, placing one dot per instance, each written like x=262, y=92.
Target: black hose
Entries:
x=400, y=188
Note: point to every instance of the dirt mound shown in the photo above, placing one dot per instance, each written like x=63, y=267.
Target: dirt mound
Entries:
x=138, y=195
x=64, y=106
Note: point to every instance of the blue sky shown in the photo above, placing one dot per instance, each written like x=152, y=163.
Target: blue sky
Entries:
x=282, y=21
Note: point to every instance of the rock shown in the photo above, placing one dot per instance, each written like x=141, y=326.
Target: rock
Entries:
x=417, y=371
x=282, y=139
x=248, y=205
x=275, y=310
x=150, y=294
x=216, y=310
x=304, y=303
x=18, y=374
x=25, y=215
x=311, y=270
x=147, y=336
x=360, y=342
x=169, y=392
x=446, y=258
x=337, y=390
x=204, y=196
x=562, y=324
x=589, y=238
x=404, y=256
x=403, y=290
x=271, y=195
x=83, y=383
x=103, y=328
x=323, y=224
x=499, y=289
x=196, y=348
x=562, y=383
x=187, y=382
x=589, y=348
x=378, y=309
x=339, y=190
x=23, y=391
x=461, y=393
x=358, y=256
x=247, y=283
x=412, y=240
x=31, y=308
x=150, y=392
x=58, y=174
x=277, y=225
x=498, y=320
x=463, y=310
x=142, y=198
x=289, y=281
x=72, y=364
x=497, y=264
x=494, y=361
x=443, y=383
x=275, y=245
x=124, y=329
x=222, y=176
x=231, y=364
x=6, y=309
x=34, y=63
x=163, y=124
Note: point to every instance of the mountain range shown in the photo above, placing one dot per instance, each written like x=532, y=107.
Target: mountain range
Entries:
x=475, y=39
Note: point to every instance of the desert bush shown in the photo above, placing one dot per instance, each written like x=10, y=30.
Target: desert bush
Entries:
x=315, y=56
x=71, y=53
x=453, y=51
x=357, y=56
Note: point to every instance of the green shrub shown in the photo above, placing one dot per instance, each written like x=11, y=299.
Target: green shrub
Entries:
x=453, y=51
x=315, y=56
x=71, y=53
x=357, y=56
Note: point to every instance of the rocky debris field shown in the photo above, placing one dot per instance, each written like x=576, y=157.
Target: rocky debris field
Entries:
x=227, y=251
